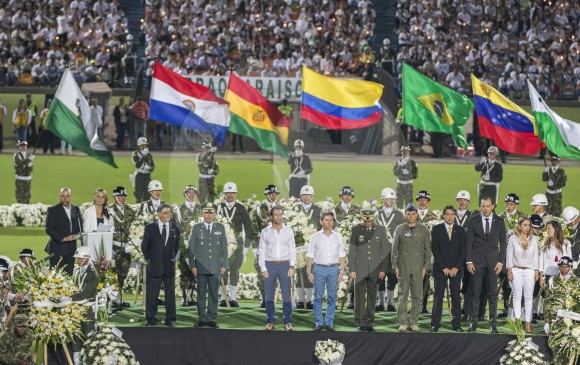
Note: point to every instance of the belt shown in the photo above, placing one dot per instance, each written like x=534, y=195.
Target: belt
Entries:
x=523, y=267
x=26, y=178
x=404, y=182
x=278, y=262
x=330, y=265
x=204, y=176
x=488, y=183
x=119, y=244
x=557, y=191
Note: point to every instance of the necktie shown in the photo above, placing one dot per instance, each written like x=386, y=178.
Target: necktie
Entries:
x=209, y=228
x=486, y=226
x=164, y=234
x=449, y=229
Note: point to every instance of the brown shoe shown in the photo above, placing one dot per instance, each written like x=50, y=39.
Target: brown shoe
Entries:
x=288, y=327
x=528, y=327
x=415, y=328
x=269, y=327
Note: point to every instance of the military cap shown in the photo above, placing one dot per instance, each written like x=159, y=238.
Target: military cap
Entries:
x=21, y=320
x=410, y=208
x=513, y=198
x=536, y=221
x=555, y=158
x=208, y=207
x=346, y=190
x=120, y=191
x=423, y=194
x=565, y=260
x=271, y=189
x=26, y=252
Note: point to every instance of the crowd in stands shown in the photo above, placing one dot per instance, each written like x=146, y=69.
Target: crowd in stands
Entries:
x=39, y=38
x=261, y=38
x=503, y=42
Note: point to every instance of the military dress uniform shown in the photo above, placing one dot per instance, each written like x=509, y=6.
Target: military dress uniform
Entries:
x=405, y=169
x=303, y=286
x=208, y=170
x=575, y=240
x=144, y=165
x=123, y=217
x=186, y=214
x=23, y=169
x=300, y=170
x=87, y=280
x=149, y=207
x=390, y=219
x=491, y=176
x=367, y=256
x=555, y=178
x=341, y=213
x=13, y=348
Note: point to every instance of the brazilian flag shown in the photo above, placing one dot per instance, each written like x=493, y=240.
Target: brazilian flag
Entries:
x=432, y=107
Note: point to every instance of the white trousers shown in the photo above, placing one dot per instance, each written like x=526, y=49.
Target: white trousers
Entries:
x=523, y=285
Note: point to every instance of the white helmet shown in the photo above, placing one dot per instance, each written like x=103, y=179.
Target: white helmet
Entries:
x=299, y=143
x=570, y=214
x=386, y=42
x=154, y=185
x=539, y=199
x=83, y=252
x=388, y=193
x=463, y=194
x=142, y=141
x=230, y=187
x=307, y=190
x=493, y=149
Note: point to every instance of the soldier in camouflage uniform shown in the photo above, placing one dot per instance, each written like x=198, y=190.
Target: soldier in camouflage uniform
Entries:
x=187, y=215
x=27, y=258
x=424, y=215
x=261, y=219
x=304, y=288
x=239, y=220
x=144, y=166
x=345, y=207
x=15, y=343
x=300, y=169
x=405, y=169
x=123, y=217
x=208, y=170
x=555, y=178
x=23, y=169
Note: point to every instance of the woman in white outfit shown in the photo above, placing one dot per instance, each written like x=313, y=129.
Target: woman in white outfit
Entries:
x=553, y=248
x=522, y=265
x=98, y=213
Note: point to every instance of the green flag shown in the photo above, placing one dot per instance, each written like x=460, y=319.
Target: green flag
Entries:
x=69, y=118
x=432, y=107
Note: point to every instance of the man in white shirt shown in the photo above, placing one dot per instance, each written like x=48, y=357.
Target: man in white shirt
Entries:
x=325, y=260
x=277, y=259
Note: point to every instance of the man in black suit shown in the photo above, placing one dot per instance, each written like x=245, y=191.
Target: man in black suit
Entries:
x=160, y=247
x=64, y=226
x=485, y=257
x=448, y=241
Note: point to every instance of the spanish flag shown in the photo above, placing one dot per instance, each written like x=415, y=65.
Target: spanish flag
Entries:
x=252, y=115
x=339, y=104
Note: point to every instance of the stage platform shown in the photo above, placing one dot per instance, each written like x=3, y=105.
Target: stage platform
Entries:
x=176, y=346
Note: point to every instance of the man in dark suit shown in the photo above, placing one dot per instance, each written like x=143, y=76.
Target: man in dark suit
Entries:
x=485, y=256
x=448, y=242
x=64, y=226
x=208, y=260
x=160, y=247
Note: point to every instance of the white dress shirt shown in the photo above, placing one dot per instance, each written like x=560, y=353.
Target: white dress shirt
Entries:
x=326, y=249
x=515, y=253
x=277, y=246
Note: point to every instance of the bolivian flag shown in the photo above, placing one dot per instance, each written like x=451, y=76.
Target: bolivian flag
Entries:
x=252, y=115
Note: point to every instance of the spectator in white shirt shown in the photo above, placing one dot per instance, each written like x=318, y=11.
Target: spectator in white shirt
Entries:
x=455, y=80
x=516, y=86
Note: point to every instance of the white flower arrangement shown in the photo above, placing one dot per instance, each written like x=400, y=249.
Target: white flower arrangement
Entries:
x=103, y=347
x=519, y=351
x=248, y=286
x=329, y=352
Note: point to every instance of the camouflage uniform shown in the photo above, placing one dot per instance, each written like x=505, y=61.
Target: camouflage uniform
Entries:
x=23, y=169
x=144, y=165
x=13, y=348
x=341, y=214
x=208, y=169
x=185, y=218
x=405, y=169
x=556, y=180
x=575, y=239
x=123, y=220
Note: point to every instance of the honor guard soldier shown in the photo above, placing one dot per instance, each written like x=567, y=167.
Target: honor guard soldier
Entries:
x=23, y=169
x=405, y=169
x=390, y=218
x=572, y=218
x=208, y=170
x=15, y=344
x=555, y=178
x=123, y=216
x=300, y=169
x=367, y=264
x=345, y=207
x=149, y=207
x=144, y=166
x=304, y=287
x=539, y=204
x=491, y=174
x=239, y=219
x=463, y=199
x=511, y=215
x=27, y=258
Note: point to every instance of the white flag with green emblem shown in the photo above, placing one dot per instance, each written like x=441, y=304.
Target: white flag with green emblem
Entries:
x=70, y=119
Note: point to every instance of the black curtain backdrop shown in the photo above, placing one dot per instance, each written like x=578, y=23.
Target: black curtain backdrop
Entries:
x=155, y=346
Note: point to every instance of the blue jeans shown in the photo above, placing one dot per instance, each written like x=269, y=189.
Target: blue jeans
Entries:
x=21, y=133
x=325, y=277
x=278, y=272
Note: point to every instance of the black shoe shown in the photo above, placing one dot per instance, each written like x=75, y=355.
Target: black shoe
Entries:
x=472, y=327
x=330, y=329
x=425, y=310
x=300, y=305
x=391, y=308
x=434, y=328
x=482, y=318
x=492, y=329
x=200, y=324
x=223, y=303
x=263, y=304
x=457, y=329
x=350, y=306
x=150, y=323
x=169, y=323
x=465, y=318
x=541, y=317
x=370, y=329
x=234, y=303
x=213, y=324
x=380, y=308
x=361, y=329
x=503, y=314
x=125, y=305
x=309, y=305
x=160, y=301
x=192, y=303
x=184, y=303
x=318, y=328
x=534, y=321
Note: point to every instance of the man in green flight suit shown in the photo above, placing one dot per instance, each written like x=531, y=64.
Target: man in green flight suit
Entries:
x=23, y=169
x=555, y=178
x=15, y=343
x=123, y=216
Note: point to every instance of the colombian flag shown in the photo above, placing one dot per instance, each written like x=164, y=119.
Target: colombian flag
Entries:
x=511, y=127
x=252, y=115
x=339, y=104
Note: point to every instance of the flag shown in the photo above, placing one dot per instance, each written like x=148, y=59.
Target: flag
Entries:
x=252, y=115
x=179, y=101
x=69, y=118
x=560, y=135
x=430, y=106
x=500, y=119
x=339, y=104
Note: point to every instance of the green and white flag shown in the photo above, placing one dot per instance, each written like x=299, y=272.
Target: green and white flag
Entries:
x=70, y=119
x=560, y=135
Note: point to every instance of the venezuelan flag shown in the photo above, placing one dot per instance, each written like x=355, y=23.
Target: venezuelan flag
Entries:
x=509, y=126
x=252, y=115
x=339, y=104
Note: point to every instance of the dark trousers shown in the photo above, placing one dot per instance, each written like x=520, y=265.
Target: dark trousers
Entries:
x=48, y=141
x=153, y=287
x=440, y=282
x=487, y=273
x=235, y=263
x=67, y=262
x=296, y=183
x=237, y=139
x=365, y=300
x=141, y=184
x=121, y=129
x=207, y=289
